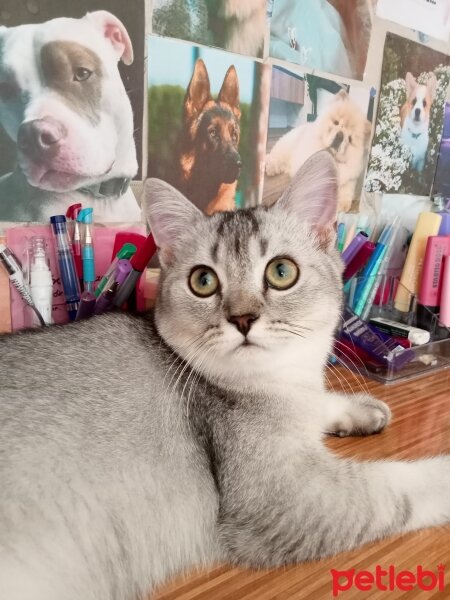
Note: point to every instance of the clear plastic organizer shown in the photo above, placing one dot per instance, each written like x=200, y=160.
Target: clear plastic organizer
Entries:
x=398, y=364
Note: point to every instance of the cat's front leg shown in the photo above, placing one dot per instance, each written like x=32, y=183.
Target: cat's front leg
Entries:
x=358, y=414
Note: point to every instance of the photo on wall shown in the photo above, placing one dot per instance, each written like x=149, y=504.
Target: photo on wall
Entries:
x=71, y=107
x=409, y=122
x=206, y=134
x=308, y=114
x=431, y=17
x=327, y=35
x=234, y=25
x=441, y=184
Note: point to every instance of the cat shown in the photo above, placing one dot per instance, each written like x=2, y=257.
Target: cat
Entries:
x=132, y=448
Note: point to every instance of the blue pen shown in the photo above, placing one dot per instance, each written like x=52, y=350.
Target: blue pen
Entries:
x=87, y=302
x=67, y=270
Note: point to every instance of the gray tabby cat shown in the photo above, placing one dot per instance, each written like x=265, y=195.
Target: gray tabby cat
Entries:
x=131, y=449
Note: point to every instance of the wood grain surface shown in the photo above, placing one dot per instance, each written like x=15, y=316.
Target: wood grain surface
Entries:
x=420, y=427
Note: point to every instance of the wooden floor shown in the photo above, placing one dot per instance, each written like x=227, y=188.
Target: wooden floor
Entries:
x=420, y=427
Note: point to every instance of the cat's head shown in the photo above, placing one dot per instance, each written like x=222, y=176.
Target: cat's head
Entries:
x=254, y=295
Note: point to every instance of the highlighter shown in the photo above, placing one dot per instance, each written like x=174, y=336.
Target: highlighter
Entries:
x=359, y=261
x=126, y=252
x=444, y=315
x=427, y=224
x=87, y=300
x=431, y=281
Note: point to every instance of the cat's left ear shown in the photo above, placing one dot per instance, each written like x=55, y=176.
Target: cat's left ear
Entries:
x=312, y=196
x=169, y=214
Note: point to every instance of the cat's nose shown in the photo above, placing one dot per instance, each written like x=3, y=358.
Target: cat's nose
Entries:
x=243, y=323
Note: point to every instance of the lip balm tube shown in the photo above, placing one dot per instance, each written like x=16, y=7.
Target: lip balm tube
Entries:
x=67, y=270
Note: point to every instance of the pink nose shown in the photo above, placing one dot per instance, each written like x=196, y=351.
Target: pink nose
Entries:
x=243, y=323
x=40, y=138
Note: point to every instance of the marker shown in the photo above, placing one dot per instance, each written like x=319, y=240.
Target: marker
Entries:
x=67, y=270
x=138, y=262
x=12, y=266
x=444, y=315
x=87, y=301
x=431, y=280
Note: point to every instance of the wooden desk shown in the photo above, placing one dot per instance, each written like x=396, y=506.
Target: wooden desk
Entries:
x=420, y=427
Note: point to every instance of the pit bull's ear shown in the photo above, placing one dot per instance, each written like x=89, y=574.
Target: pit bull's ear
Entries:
x=170, y=216
x=411, y=83
x=312, y=196
x=432, y=85
x=198, y=92
x=229, y=92
x=114, y=31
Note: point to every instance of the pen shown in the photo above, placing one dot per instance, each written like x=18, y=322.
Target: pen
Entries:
x=87, y=301
x=126, y=252
x=105, y=300
x=138, y=262
x=67, y=270
x=14, y=270
x=75, y=238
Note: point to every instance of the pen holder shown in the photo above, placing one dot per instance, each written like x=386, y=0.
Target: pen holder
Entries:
x=406, y=363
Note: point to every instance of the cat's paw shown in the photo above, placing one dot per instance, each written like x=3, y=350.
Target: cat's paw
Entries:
x=364, y=415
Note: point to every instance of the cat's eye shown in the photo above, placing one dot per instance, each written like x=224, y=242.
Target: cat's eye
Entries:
x=282, y=273
x=203, y=281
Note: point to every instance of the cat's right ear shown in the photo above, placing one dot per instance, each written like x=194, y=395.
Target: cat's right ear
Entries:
x=312, y=195
x=169, y=214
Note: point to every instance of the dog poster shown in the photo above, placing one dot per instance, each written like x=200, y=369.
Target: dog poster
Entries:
x=71, y=108
x=309, y=114
x=405, y=147
x=205, y=111
x=441, y=184
x=429, y=17
x=328, y=35
x=234, y=25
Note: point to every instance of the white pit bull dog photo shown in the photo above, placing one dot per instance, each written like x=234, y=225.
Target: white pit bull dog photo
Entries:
x=64, y=105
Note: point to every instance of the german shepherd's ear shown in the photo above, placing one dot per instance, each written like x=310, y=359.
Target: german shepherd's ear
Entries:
x=229, y=92
x=198, y=92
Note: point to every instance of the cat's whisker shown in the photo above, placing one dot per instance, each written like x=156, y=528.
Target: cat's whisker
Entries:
x=361, y=384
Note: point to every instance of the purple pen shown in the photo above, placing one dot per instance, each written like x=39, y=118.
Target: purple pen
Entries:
x=354, y=247
x=105, y=300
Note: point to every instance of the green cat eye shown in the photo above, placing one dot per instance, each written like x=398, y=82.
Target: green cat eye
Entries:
x=282, y=273
x=203, y=281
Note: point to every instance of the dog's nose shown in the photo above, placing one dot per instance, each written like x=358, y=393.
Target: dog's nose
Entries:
x=417, y=114
x=338, y=138
x=243, y=323
x=40, y=137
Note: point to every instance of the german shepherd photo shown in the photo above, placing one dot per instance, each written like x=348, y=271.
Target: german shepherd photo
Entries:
x=206, y=129
x=210, y=162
